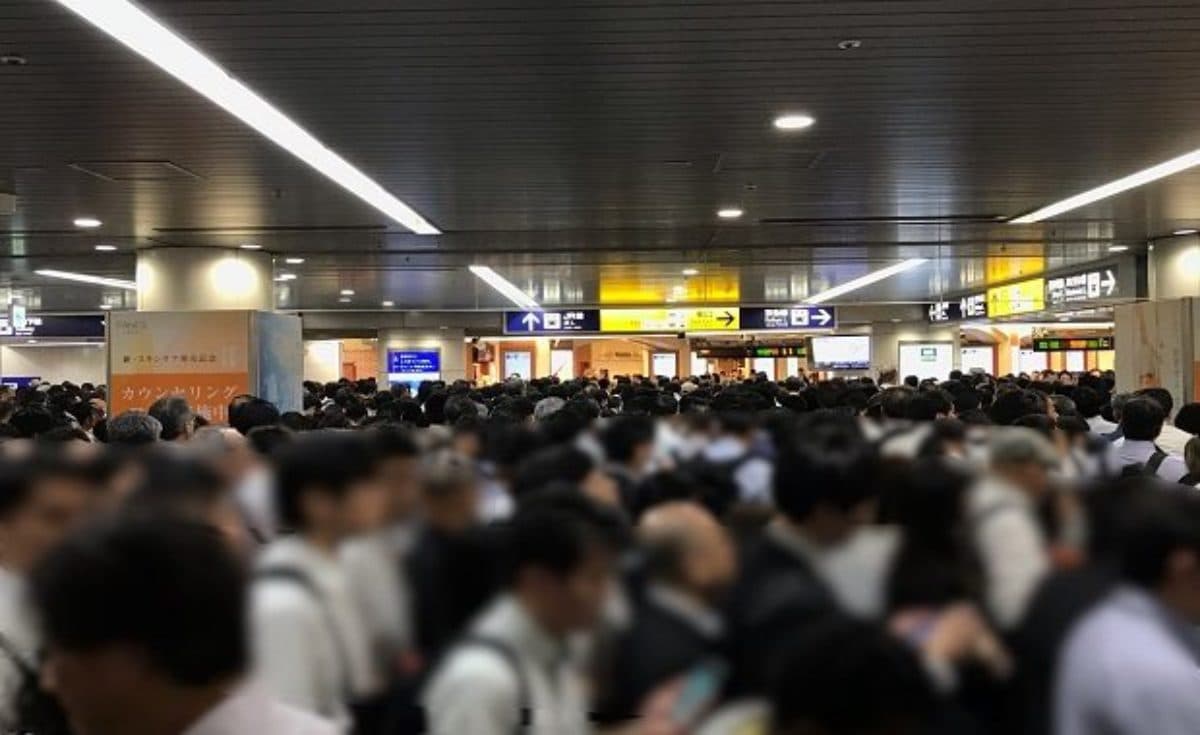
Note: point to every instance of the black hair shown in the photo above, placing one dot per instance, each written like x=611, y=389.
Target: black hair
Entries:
x=174, y=413
x=328, y=462
x=826, y=464
x=267, y=439
x=1087, y=401
x=1142, y=419
x=556, y=531
x=1161, y=396
x=1163, y=520
x=253, y=412
x=1013, y=404
x=867, y=681
x=623, y=436
x=173, y=485
x=1188, y=418
x=926, y=405
x=967, y=400
x=1040, y=423
x=894, y=402
x=19, y=478
x=556, y=463
x=392, y=440
x=33, y=420
x=166, y=586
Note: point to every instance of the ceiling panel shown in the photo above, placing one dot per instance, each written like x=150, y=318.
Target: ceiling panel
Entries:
x=559, y=139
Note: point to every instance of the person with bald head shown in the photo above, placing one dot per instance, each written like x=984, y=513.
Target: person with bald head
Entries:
x=689, y=561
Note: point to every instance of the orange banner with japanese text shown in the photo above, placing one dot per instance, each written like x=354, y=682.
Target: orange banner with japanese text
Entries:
x=201, y=356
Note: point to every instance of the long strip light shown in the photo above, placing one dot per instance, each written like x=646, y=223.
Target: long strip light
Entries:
x=141, y=32
x=504, y=286
x=867, y=280
x=1125, y=183
x=85, y=278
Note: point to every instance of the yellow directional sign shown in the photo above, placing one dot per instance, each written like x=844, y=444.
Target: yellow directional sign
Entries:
x=706, y=319
x=1017, y=298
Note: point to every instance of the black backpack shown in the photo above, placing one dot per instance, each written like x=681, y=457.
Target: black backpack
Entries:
x=37, y=711
x=1149, y=468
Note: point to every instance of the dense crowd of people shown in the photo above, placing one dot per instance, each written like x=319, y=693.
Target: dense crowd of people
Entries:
x=639, y=556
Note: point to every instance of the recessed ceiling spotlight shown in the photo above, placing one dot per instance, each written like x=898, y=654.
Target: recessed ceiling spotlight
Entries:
x=106, y=248
x=294, y=261
x=388, y=304
x=730, y=213
x=87, y=223
x=689, y=272
x=344, y=300
x=1186, y=231
x=849, y=44
x=794, y=122
x=1117, y=248
x=347, y=292
x=250, y=246
x=12, y=59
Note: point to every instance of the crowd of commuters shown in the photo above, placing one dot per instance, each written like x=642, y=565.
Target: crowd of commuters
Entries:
x=637, y=556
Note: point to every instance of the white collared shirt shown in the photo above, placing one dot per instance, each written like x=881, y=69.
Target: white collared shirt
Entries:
x=1100, y=425
x=298, y=657
x=19, y=630
x=855, y=570
x=1011, y=546
x=1127, y=670
x=374, y=574
x=249, y=711
x=1131, y=451
x=476, y=691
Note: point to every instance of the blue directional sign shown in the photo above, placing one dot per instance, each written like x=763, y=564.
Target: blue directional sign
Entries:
x=790, y=318
x=566, y=321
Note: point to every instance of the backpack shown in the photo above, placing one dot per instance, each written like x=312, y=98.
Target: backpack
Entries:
x=1149, y=468
x=37, y=711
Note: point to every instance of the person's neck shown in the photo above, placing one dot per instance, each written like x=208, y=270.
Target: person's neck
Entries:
x=323, y=540
x=538, y=614
x=171, y=710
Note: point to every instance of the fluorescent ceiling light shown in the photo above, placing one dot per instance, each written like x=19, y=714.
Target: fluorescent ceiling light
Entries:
x=285, y=277
x=689, y=272
x=1187, y=231
x=85, y=278
x=388, y=304
x=87, y=223
x=794, y=122
x=106, y=307
x=145, y=35
x=294, y=261
x=511, y=292
x=347, y=292
x=867, y=280
x=106, y=248
x=1125, y=183
x=1117, y=248
x=345, y=300
x=250, y=246
x=730, y=213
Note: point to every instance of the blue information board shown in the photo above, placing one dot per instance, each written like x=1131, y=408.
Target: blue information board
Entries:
x=789, y=318
x=565, y=321
x=410, y=362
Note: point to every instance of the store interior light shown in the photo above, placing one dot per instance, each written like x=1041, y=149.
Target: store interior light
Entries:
x=505, y=287
x=867, y=280
x=145, y=35
x=1112, y=188
x=85, y=278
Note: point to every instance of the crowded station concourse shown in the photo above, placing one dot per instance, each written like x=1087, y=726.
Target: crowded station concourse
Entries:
x=599, y=367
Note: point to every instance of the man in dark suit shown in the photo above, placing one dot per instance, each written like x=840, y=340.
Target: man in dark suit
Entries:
x=689, y=562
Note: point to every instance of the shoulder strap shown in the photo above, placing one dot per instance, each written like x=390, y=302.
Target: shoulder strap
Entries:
x=300, y=578
x=1155, y=461
x=10, y=651
x=509, y=654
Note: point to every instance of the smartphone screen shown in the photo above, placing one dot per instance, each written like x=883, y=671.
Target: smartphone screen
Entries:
x=701, y=687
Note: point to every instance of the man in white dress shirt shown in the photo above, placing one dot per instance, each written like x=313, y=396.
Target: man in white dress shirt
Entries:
x=146, y=634
x=1142, y=420
x=1172, y=438
x=1132, y=664
x=41, y=499
x=517, y=670
x=310, y=644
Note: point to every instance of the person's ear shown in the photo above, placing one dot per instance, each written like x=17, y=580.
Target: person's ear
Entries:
x=1182, y=563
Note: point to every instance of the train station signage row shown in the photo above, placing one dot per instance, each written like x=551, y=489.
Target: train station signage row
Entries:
x=1031, y=295
x=1068, y=344
x=667, y=320
x=738, y=352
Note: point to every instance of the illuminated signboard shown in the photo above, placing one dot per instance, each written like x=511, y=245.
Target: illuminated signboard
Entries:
x=1073, y=288
x=632, y=321
x=751, y=351
x=54, y=326
x=790, y=318
x=972, y=306
x=1069, y=344
x=1022, y=297
x=552, y=322
x=411, y=367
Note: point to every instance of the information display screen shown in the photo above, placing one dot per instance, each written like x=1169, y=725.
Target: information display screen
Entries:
x=411, y=367
x=849, y=352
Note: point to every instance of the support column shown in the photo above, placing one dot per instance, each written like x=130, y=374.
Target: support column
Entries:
x=204, y=279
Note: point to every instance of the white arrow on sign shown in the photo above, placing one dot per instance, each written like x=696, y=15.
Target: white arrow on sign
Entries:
x=1109, y=283
x=531, y=321
x=823, y=316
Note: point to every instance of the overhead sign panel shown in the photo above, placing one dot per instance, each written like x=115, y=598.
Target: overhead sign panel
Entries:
x=552, y=322
x=1070, y=344
x=632, y=321
x=971, y=306
x=751, y=351
x=793, y=318
x=1088, y=285
x=53, y=326
x=1022, y=297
